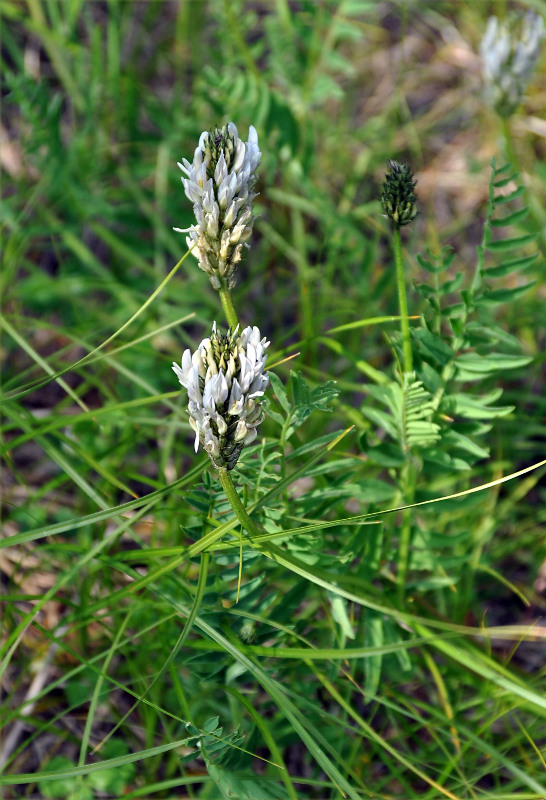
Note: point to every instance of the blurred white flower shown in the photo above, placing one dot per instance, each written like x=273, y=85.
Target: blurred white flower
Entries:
x=219, y=182
x=510, y=51
x=225, y=381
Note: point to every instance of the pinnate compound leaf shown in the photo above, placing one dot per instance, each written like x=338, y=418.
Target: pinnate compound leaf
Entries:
x=417, y=426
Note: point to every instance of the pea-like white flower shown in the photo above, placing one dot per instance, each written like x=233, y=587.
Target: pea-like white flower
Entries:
x=510, y=51
x=219, y=182
x=225, y=380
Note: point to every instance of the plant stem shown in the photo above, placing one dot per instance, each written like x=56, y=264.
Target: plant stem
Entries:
x=402, y=301
x=408, y=472
x=408, y=490
x=235, y=502
x=229, y=308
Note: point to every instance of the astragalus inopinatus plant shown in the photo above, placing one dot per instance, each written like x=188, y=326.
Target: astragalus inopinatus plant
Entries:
x=220, y=183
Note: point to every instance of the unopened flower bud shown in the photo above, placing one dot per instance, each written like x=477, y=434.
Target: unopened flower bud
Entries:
x=398, y=197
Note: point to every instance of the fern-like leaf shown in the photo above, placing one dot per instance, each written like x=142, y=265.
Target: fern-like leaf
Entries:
x=418, y=429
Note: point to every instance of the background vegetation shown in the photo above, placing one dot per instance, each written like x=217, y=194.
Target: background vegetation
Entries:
x=396, y=655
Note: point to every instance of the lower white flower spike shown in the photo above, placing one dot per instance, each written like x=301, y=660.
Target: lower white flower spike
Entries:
x=225, y=378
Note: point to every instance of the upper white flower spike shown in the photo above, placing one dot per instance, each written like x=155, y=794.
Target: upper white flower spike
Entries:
x=510, y=51
x=219, y=182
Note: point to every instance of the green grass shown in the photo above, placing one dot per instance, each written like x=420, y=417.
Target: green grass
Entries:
x=375, y=650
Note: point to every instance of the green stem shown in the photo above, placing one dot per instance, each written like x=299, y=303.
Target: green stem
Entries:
x=402, y=301
x=408, y=473
x=229, y=308
x=408, y=491
x=235, y=502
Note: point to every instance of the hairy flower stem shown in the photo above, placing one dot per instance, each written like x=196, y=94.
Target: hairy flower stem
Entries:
x=408, y=471
x=239, y=510
x=229, y=308
x=402, y=300
x=235, y=502
x=408, y=489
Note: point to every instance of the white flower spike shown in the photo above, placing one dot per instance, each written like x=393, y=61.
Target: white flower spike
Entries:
x=510, y=51
x=219, y=182
x=225, y=380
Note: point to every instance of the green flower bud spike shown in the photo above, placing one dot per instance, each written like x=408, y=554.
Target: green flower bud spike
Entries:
x=398, y=197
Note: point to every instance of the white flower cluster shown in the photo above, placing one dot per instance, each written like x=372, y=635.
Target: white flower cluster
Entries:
x=225, y=379
x=219, y=182
x=510, y=51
